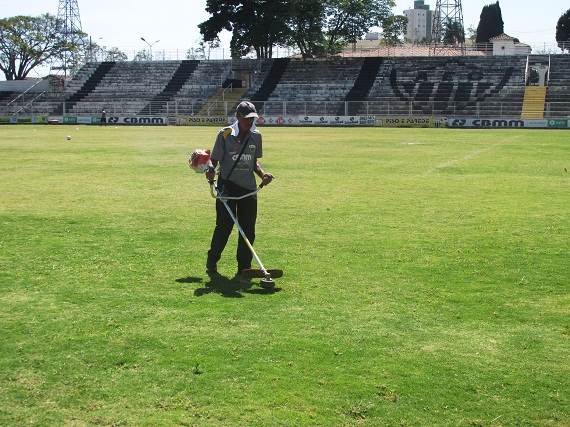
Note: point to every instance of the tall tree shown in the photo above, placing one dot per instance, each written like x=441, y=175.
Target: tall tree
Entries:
x=306, y=23
x=255, y=24
x=348, y=20
x=27, y=42
x=324, y=27
x=316, y=27
x=563, y=31
x=490, y=23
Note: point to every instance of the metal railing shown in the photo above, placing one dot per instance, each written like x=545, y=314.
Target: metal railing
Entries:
x=386, y=108
x=361, y=48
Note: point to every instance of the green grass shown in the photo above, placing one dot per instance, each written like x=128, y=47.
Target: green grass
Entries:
x=426, y=281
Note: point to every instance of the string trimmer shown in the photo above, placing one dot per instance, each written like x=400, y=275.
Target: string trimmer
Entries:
x=200, y=163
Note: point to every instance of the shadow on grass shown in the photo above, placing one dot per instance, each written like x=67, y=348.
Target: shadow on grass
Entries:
x=226, y=287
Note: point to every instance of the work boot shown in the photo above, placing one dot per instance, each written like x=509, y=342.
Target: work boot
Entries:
x=211, y=267
x=241, y=268
x=239, y=275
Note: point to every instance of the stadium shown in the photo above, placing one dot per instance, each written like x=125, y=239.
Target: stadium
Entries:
x=434, y=78
x=527, y=90
x=425, y=260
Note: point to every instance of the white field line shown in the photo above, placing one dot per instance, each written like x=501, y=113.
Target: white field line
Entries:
x=470, y=155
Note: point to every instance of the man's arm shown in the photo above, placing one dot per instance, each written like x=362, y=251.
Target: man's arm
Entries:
x=266, y=178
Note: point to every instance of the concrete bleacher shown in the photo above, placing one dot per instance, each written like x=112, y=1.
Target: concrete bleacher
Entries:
x=396, y=86
x=88, y=81
x=558, y=93
x=401, y=85
x=22, y=96
x=127, y=88
x=142, y=88
x=306, y=86
x=445, y=86
x=204, y=83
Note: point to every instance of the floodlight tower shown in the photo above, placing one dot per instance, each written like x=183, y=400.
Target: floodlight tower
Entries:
x=447, y=27
x=70, y=27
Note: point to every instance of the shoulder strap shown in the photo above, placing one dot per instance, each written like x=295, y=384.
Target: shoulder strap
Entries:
x=237, y=160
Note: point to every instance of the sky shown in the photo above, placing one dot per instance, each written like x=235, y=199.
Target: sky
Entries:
x=122, y=23
x=532, y=22
x=171, y=25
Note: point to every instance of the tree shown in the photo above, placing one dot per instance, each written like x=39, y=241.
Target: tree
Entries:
x=27, y=42
x=471, y=34
x=453, y=32
x=94, y=52
x=490, y=23
x=255, y=24
x=306, y=23
x=348, y=20
x=203, y=50
x=324, y=27
x=114, y=54
x=142, y=55
x=393, y=28
x=316, y=27
x=563, y=31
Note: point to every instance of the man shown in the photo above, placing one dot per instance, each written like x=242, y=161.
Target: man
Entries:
x=236, y=151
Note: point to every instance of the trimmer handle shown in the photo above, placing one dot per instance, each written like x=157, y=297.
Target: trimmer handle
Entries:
x=217, y=195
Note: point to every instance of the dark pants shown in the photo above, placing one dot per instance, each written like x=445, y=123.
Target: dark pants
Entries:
x=245, y=211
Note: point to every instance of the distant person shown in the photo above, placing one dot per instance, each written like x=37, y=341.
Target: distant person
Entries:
x=103, y=118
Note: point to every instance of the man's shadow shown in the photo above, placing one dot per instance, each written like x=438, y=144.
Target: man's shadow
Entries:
x=227, y=287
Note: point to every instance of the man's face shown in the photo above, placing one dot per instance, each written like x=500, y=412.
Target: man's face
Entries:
x=243, y=123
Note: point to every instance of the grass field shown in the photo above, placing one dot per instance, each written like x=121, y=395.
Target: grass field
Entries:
x=427, y=279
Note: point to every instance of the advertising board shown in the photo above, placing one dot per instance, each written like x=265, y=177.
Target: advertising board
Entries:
x=202, y=121
x=495, y=123
x=14, y=120
x=409, y=122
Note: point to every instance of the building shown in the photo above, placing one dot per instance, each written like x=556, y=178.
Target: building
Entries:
x=505, y=45
x=419, y=22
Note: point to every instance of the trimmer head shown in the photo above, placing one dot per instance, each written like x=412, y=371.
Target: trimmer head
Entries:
x=267, y=276
x=267, y=283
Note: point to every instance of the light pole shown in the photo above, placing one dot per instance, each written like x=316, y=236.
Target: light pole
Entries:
x=91, y=45
x=150, y=46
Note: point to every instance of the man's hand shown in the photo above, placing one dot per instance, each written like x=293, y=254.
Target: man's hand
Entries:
x=211, y=174
x=266, y=179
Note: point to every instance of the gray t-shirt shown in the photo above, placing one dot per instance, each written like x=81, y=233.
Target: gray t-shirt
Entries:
x=226, y=149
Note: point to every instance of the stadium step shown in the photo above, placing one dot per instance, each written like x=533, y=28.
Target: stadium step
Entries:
x=180, y=77
x=216, y=105
x=271, y=81
x=89, y=86
x=533, y=103
x=362, y=85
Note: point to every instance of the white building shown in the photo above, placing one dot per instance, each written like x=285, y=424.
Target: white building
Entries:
x=419, y=22
x=505, y=45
